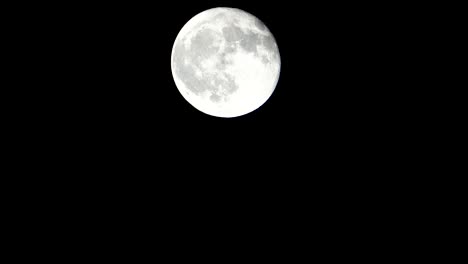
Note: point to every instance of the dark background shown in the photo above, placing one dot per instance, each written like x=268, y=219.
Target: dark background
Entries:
x=103, y=99
x=106, y=143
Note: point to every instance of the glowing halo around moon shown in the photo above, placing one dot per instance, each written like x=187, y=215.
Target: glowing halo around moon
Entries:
x=225, y=62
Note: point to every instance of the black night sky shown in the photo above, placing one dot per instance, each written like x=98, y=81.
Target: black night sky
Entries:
x=106, y=148
x=108, y=100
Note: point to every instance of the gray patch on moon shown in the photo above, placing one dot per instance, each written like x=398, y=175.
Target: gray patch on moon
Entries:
x=215, y=98
x=269, y=43
x=202, y=48
x=220, y=16
x=259, y=24
x=223, y=60
x=250, y=42
x=203, y=42
x=230, y=48
x=225, y=81
x=186, y=73
x=232, y=33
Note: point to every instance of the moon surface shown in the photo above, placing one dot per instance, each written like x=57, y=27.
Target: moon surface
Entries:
x=225, y=62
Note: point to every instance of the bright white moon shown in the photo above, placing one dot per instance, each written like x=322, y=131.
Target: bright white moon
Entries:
x=225, y=62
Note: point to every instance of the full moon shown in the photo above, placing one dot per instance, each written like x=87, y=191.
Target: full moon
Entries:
x=225, y=62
